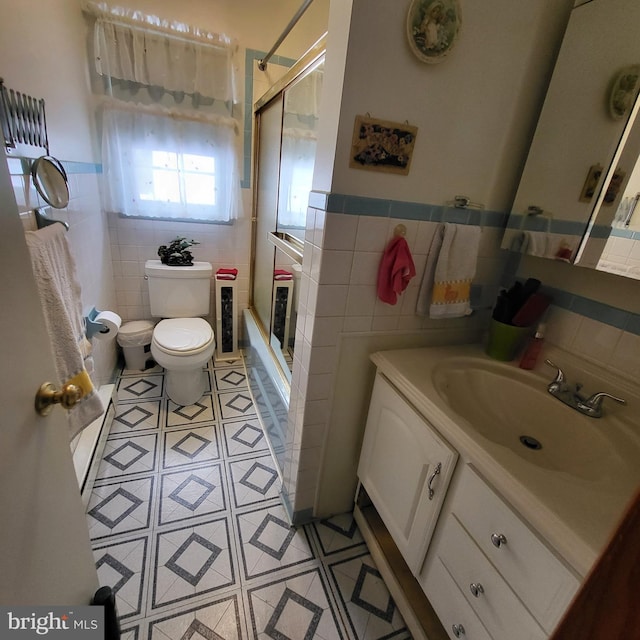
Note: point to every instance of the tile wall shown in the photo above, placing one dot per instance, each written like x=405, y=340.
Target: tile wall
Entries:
x=338, y=298
x=134, y=241
x=345, y=239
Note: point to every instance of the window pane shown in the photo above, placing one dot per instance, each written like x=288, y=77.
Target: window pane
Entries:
x=165, y=159
x=165, y=187
x=192, y=162
x=199, y=189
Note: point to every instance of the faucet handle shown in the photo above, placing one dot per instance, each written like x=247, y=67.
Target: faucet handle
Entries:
x=595, y=401
x=560, y=377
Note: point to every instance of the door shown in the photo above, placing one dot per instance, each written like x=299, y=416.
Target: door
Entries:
x=405, y=468
x=45, y=551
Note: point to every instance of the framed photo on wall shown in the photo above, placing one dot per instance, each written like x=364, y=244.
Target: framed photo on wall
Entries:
x=381, y=145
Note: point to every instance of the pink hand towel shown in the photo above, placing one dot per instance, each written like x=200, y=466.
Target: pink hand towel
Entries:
x=395, y=271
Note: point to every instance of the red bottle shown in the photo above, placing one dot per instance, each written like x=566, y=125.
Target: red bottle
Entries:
x=532, y=352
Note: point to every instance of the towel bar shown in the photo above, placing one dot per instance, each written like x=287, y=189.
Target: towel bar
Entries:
x=43, y=220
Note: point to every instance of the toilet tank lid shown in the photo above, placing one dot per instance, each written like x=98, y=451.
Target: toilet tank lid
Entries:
x=158, y=269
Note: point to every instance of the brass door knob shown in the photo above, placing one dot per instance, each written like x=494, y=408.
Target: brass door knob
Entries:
x=48, y=395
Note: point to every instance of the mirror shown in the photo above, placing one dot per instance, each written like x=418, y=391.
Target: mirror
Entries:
x=50, y=180
x=585, y=145
x=286, y=125
x=298, y=152
x=621, y=251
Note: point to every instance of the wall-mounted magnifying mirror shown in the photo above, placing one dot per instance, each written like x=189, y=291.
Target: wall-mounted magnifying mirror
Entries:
x=50, y=180
x=580, y=166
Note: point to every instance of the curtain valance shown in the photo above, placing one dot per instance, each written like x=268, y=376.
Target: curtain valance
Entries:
x=142, y=49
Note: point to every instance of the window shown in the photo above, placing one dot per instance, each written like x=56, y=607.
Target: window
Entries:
x=165, y=165
x=171, y=177
x=168, y=138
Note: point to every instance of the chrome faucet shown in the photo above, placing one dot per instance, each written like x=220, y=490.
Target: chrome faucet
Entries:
x=591, y=406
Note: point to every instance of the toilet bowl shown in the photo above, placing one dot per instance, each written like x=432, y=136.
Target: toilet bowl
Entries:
x=183, y=346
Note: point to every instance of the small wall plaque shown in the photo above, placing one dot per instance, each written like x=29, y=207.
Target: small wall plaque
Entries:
x=381, y=145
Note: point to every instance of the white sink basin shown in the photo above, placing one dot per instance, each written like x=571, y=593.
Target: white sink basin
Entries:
x=512, y=408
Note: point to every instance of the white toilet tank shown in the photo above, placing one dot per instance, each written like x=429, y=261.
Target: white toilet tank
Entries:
x=178, y=292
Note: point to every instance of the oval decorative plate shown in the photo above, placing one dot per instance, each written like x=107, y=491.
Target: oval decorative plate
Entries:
x=432, y=28
x=624, y=92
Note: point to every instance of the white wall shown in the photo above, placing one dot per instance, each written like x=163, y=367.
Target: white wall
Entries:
x=42, y=54
x=474, y=111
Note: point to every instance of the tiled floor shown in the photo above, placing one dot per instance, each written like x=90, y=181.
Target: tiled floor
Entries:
x=187, y=527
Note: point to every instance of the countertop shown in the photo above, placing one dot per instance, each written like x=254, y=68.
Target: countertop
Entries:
x=574, y=515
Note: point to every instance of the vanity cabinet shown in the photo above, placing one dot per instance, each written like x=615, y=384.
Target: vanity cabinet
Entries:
x=503, y=575
x=405, y=468
x=485, y=572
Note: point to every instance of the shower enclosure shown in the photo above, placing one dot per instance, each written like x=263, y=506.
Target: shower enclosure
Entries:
x=285, y=120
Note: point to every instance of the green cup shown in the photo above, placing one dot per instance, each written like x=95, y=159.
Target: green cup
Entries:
x=505, y=340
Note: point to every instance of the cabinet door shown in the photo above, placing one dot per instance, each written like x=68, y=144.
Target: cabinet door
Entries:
x=405, y=466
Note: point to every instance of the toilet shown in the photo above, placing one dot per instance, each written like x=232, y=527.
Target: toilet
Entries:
x=182, y=342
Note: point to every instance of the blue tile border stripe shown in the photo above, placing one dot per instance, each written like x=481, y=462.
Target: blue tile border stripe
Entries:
x=356, y=205
x=624, y=233
x=618, y=318
x=21, y=166
x=398, y=209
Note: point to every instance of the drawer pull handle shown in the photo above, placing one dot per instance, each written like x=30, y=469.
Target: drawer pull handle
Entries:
x=497, y=540
x=476, y=589
x=436, y=472
x=458, y=630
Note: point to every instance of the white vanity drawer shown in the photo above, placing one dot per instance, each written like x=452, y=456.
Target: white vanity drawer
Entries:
x=452, y=609
x=501, y=612
x=537, y=576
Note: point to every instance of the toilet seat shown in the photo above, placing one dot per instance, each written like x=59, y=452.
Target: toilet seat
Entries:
x=183, y=336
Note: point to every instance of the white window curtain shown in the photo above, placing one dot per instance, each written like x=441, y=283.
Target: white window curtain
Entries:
x=297, y=158
x=163, y=164
x=303, y=99
x=164, y=156
x=173, y=57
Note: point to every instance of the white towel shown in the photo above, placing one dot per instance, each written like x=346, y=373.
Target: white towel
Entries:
x=532, y=243
x=55, y=273
x=455, y=269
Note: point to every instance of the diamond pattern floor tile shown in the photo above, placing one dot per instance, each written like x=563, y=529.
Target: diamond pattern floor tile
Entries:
x=136, y=416
x=243, y=437
x=192, y=493
x=218, y=619
x=236, y=404
x=187, y=526
x=121, y=566
x=120, y=508
x=370, y=609
x=192, y=561
x=229, y=379
x=128, y=456
x=268, y=542
x=140, y=387
x=338, y=533
x=294, y=607
x=200, y=412
x=254, y=480
x=190, y=446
